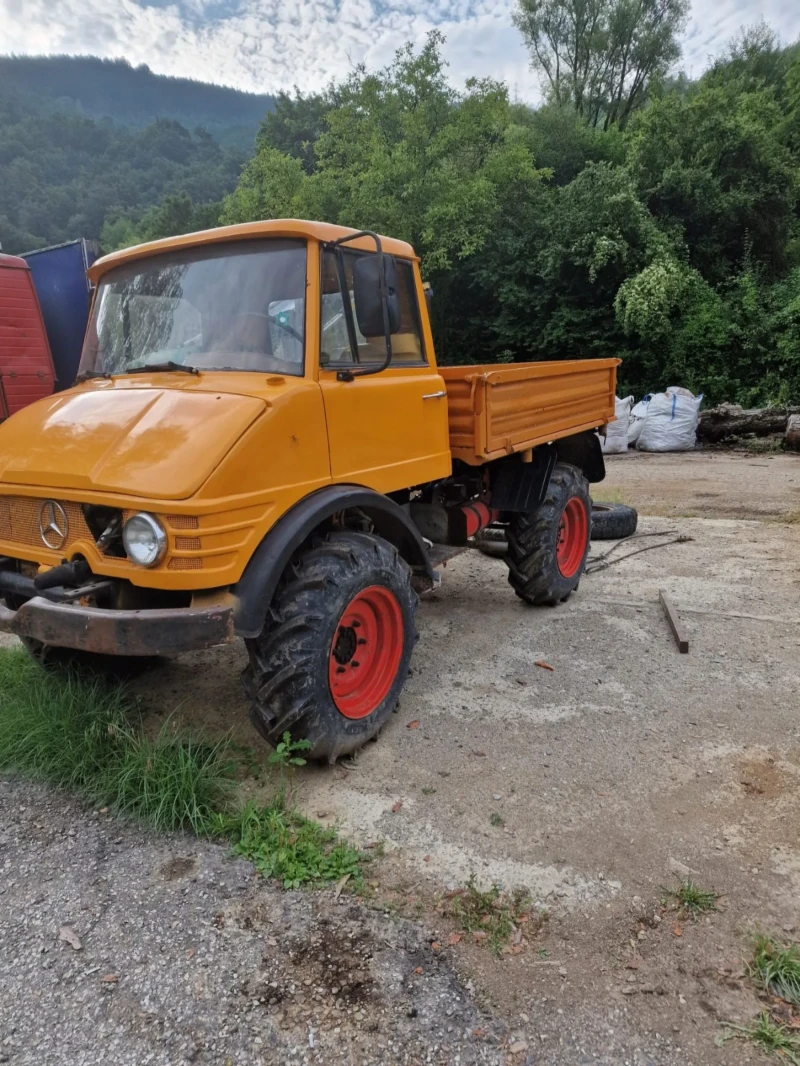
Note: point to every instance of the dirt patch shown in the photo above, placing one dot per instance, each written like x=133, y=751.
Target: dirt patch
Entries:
x=176, y=868
x=764, y=780
x=718, y=483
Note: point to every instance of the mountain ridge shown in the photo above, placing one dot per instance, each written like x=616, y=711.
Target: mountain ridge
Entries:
x=99, y=89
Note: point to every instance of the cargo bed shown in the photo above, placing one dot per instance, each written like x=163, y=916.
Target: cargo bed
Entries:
x=495, y=410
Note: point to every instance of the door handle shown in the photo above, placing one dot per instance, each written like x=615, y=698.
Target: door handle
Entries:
x=434, y=395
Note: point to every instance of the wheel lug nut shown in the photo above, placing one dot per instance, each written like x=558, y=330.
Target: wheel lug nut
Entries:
x=354, y=663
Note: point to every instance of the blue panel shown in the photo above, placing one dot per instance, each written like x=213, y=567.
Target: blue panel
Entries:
x=59, y=274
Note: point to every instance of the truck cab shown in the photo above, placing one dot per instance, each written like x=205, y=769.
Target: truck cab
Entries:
x=260, y=438
x=26, y=365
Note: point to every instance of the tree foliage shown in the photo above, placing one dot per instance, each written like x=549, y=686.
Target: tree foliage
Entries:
x=599, y=56
x=549, y=234
x=667, y=235
x=64, y=176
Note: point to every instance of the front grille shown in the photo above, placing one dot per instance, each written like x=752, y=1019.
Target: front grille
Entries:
x=188, y=544
x=19, y=522
x=19, y=526
x=183, y=521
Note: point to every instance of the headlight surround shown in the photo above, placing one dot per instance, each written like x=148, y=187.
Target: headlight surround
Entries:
x=145, y=540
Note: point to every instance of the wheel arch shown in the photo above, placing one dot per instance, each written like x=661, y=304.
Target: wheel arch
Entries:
x=256, y=587
x=584, y=451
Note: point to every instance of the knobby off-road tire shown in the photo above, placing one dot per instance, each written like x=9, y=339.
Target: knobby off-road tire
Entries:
x=613, y=521
x=492, y=541
x=87, y=664
x=334, y=654
x=547, y=549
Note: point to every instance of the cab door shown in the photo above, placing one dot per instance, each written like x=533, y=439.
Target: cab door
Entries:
x=388, y=430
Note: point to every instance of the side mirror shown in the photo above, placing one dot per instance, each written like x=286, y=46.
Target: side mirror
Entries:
x=367, y=294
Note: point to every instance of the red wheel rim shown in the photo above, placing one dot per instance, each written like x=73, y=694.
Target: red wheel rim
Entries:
x=573, y=531
x=365, y=652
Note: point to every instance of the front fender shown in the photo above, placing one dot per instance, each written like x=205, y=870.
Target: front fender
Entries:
x=255, y=589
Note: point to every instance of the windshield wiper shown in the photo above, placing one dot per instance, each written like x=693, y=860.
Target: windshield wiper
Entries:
x=170, y=365
x=91, y=374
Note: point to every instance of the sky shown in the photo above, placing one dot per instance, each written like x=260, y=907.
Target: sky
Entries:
x=267, y=45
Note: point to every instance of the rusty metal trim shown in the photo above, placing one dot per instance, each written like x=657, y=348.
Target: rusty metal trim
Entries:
x=109, y=632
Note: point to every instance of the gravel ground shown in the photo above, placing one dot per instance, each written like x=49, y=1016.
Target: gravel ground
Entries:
x=615, y=773
x=187, y=955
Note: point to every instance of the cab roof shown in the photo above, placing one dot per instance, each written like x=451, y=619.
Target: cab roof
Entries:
x=13, y=262
x=278, y=227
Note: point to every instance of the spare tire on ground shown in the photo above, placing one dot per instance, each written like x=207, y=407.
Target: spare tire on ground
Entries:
x=492, y=541
x=613, y=521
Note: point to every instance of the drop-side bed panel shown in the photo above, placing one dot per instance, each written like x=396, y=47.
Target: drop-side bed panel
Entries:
x=497, y=410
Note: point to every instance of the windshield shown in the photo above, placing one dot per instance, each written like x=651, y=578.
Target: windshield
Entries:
x=233, y=306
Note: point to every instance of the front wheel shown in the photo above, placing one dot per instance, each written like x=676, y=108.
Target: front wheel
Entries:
x=547, y=549
x=334, y=654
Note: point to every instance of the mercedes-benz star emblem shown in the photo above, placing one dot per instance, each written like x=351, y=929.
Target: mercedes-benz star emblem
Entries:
x=53, y=525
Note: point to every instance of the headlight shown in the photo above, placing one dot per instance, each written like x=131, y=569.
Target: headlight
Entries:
x=145, y=540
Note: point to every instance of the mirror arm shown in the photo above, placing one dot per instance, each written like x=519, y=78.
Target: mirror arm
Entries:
x=346, y=375
x=349, y=375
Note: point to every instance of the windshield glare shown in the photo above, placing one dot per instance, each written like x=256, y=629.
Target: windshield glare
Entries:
x=233, y=306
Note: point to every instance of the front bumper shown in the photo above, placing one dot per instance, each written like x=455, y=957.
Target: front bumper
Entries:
x=111, y=632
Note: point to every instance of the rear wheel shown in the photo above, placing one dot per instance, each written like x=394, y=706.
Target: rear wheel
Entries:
x=547, y=549
x=334, y=655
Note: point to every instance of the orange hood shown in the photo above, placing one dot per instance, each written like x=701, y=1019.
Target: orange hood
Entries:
x=152, y=442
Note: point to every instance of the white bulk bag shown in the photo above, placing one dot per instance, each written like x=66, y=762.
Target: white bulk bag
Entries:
x=616, y=438
x=637, y=419
x=670, y=424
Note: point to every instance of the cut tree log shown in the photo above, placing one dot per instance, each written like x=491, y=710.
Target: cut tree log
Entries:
x=729, y=420
x=792, y=438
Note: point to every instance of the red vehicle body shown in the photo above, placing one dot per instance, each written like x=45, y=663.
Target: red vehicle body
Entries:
x=26, y=366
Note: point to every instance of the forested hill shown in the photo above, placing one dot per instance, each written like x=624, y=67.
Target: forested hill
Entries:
x=93, y=148
x=133, y=96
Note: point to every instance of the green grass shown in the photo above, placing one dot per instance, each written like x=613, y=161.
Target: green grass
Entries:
x=769, y=1035
x=693, y=900
x=496, y=819
x=495, y=913
x=776, y=968
x=81, y=735
x=85, y=736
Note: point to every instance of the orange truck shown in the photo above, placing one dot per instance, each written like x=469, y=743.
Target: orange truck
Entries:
x=260, y=444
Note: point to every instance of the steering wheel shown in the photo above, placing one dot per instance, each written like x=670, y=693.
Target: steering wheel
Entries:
x=292, y=368
x=285, y=326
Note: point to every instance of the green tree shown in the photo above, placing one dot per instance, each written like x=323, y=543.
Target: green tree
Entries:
x=600, y=56
x=714, y=168
x=295, y=125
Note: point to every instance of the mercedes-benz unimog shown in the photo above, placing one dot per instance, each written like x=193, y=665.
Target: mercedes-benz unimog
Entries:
x=260, y=444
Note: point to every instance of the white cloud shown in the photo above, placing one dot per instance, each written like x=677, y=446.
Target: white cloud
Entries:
x=266, y=45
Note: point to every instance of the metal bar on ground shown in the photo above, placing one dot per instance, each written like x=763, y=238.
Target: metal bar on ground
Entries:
x=675, y=623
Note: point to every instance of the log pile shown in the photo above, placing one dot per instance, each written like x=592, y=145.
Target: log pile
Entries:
x=729, y=421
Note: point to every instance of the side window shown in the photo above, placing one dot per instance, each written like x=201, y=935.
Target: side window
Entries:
x=407, y=348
